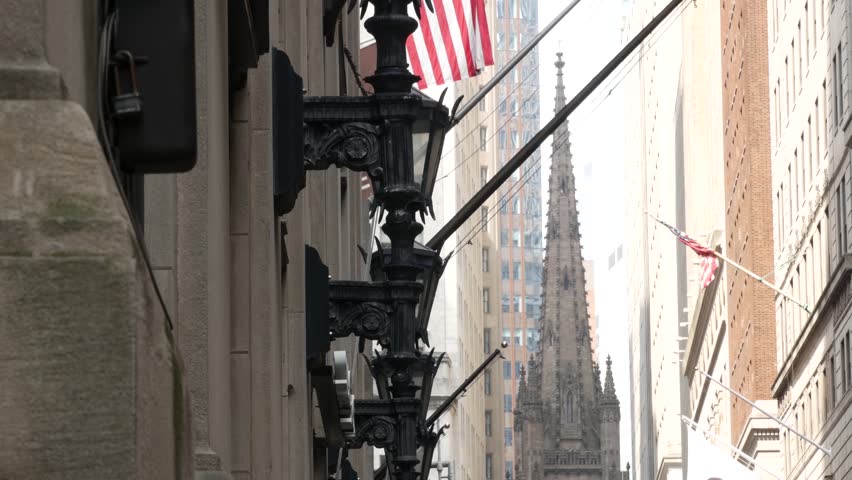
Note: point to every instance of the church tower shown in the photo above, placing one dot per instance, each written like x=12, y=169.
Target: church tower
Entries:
x=566, y=424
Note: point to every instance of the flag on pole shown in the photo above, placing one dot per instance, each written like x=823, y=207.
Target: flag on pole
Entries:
x=707, y=462
x=451, y=43
x=709, y=261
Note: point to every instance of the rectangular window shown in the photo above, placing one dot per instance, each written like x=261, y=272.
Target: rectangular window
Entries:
x=507, y=403
x=501, y=8
x=507, y=332
x=505, y=307
x=484, y=213
x=486, y=300
x=836, y=91
x=510, y=472
x=519, y=340
x=507, y=370
x=516, y=205
x=489, y=466
x=518, y=366
x=483, y=176
x=483, y=138
x=841, y=217
x=832, y=385
x=816, y=133
x=486, y=259
x=504, y=270
x=801, y=72
x=488, y=422
x=504, y=238
x=516, y=238
x=848, y=362
x=516, y=302
x=486, y=382
x=843, y=361
x=507, y=434
x=486, y=340
x=516, y=270
x=807, y=38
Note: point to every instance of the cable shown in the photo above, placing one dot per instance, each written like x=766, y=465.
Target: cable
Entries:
x=105, y=136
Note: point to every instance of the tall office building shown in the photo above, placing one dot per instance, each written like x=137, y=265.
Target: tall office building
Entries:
x=809, y=88
x=520, y=219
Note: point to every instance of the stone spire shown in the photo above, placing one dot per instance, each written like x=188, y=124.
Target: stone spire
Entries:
x=569, y=389
x=560, y=85
x=609, y=396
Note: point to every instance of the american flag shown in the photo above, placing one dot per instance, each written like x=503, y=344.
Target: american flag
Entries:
x=452, y=42
x=709, y=261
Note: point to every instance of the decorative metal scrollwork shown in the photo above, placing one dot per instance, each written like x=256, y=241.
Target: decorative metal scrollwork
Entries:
x=352, y=145
x=368, y=320
x=379, y=431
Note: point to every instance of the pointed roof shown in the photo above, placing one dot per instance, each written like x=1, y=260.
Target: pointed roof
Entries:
x=609, y=396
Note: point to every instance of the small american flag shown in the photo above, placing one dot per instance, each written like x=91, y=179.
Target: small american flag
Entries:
x=709, y=261
x=452, y=42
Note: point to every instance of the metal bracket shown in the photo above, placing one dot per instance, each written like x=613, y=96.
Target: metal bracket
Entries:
x=352, y=145
x=364, y=309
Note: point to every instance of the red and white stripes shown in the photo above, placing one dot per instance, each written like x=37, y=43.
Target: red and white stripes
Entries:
x=452, y=43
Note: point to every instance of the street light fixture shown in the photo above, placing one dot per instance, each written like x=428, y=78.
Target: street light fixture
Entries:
x=394, y=135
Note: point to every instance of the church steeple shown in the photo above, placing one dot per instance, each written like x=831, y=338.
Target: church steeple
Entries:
x=562, y=406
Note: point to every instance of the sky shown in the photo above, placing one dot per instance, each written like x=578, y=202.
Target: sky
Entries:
x=589, y=36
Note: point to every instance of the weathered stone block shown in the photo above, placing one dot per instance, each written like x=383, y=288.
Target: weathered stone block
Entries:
x=90, y=381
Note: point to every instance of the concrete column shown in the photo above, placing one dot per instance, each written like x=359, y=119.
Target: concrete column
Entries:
x=202, y=244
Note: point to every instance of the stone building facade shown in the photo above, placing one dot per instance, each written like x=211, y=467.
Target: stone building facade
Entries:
x=98, y=382
x=811, y=161
x=566, y=423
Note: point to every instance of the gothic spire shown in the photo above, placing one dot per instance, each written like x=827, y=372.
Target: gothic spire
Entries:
x=609, y=385
x=560, y=86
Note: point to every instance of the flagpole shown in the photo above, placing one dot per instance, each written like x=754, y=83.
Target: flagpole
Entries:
x=827, y=451
x=748, y=272
x=467, y=107
x=739, y=452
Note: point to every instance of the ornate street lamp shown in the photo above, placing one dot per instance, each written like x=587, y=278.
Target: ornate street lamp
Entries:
x=395, y=136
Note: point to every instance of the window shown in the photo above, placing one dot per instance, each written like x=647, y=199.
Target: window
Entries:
x=848, y=365
x=841, y=217
x=517, y=303
x=507, y=370
x=485, y=260
x=519, y=340
x=516, y=139
x=505, y=304
x=483, y=138
x=489, y=466
x=516, y=238
x=510, y=472
x=843, y=361
x=486, y=300
x=504, y=270
x=516, y=205
x=507, y=437
x=837, y=91
x=501, y=139
x=483, y=176
x=532, y=339
x=832, y=382
x=501, y=8
x=516, y=270
x=488, y=422
x=504, y=238
x=507, y=333
x=507, y=403
x=487, y=382
x=486, y=340
x=484, y=213
x=518, y=366
x=511, y=4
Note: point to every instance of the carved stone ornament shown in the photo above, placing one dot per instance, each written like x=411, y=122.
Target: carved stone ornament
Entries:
x=352, y=145
x=379, y=431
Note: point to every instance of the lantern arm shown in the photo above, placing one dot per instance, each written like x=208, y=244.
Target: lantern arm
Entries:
x=375, y=421
x=351, y=145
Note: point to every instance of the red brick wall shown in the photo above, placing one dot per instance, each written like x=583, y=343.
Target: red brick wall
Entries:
x=748, y=202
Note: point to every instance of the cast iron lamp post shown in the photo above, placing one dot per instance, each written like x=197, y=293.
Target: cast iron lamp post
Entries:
x=396, y=136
